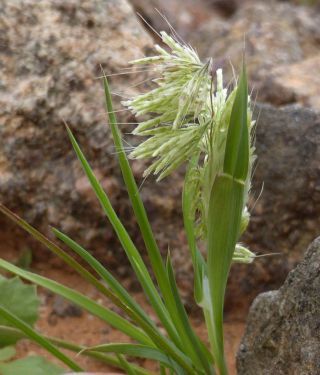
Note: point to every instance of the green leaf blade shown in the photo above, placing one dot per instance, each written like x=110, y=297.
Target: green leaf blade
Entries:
x=133, y=254
x=108, y=359
x=140, y=351
x=38, y=338
x=154, y=254
x=52, y=247
x=115, y=286
x=236, y=161
x=84, y=302
x=201, y=357
x=225, y=211
x=139, y=315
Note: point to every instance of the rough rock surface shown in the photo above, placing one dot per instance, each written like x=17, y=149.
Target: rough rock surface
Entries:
x=185, y=18
x=285, y=216
x=297, y=82
x=50, y=57
x=276, y=47
x=290, y=35
x=283, y=328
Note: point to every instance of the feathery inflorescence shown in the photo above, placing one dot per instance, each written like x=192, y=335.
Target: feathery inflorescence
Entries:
x=188, y=114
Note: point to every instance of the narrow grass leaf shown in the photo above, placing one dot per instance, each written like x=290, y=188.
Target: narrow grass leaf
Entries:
x=136, y=201
x=129, y=247
x=108, y=359
x=126, y=365
x=202, y=356
x=225, y=211
x=140, y=351
x=142, y=319
x=236, y=161
x=68, y=259
x=39, y=339
x=56, y=250
x=139, y=315
x=199, y=266
x=106, y=276
x=84, y=302
x=102, y=313
x=154, y=254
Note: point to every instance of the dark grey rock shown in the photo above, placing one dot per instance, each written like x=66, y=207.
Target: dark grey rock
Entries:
x=283, y=328
x=285, y=197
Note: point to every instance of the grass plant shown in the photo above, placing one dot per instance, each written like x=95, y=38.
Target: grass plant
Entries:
x=192, y=120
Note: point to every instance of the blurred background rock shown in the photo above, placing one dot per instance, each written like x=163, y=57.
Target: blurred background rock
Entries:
x=50, y=57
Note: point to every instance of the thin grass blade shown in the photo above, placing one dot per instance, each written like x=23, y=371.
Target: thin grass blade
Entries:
x=126, y=365
x=139, y=315
x=129, y=247
x=39, y=339
x=108, y=359
x=154, y=254
x=225, y=210
x=115, y=286
x=201, y=352
x=103, y=313
x=141, y=318
x=199, y=266
x=68, y=259
x=236, y=161
x=84, y=302
x=56, y=250
x=140, y=351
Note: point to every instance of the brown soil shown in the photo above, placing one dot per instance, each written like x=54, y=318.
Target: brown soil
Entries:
x=84, y=329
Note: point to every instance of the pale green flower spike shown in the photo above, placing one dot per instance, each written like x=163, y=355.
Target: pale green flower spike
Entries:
x=189, y=116
x=182, y=91
x=179, y=106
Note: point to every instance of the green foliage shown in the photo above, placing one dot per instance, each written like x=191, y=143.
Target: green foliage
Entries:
x=33, y=365
x=19, y=307
x=195, y=123
x=33, y=335
x=225, y=211
x=7, y=353
x=21, y=300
